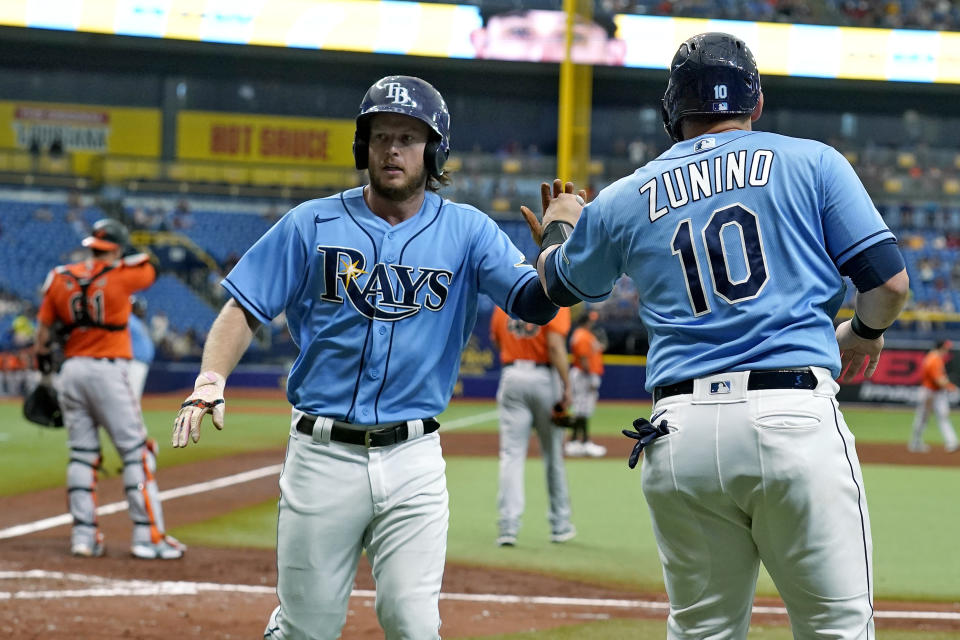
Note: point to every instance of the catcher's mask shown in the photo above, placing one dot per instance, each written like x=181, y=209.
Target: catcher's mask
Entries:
x=412, y=97
x=107, y=234
x=711, y=74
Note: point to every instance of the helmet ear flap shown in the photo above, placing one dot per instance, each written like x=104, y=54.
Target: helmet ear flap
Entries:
x=671, y=131
x=435, y=157
x=361, y=153
x=361, y=144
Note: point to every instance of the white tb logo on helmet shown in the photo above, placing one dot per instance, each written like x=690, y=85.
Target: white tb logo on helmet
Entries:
x=398, y=92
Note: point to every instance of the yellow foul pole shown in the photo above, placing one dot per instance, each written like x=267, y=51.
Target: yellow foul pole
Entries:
x=576, y=91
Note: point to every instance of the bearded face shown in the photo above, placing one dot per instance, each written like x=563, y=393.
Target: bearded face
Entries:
x=395, y=155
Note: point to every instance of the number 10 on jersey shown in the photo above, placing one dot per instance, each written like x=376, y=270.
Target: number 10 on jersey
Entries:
x=733, y=291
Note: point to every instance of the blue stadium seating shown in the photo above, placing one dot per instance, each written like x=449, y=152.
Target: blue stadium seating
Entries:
x=221, y=234
x=184, y=308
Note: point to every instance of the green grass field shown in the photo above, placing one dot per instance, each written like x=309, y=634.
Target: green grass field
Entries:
x=913, y=509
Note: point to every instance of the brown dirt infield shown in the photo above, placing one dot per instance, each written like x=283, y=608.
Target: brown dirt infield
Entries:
x=220, y=614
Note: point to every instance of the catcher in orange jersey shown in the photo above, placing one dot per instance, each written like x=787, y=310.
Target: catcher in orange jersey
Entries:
x=535, y=369
x=92, y=299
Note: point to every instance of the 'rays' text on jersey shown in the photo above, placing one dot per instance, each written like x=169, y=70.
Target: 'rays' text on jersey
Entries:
x=387, y=291
x=703, y=178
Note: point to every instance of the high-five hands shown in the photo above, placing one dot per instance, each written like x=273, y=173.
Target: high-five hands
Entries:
x=566, y=203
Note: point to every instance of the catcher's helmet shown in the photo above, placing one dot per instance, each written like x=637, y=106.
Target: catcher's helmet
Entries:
x=412, y=97
x=107, y=234
x=711, y=74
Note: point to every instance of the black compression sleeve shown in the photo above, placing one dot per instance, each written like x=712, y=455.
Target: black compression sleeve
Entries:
x=557, y=291
x=874, y=265
x=533, y=305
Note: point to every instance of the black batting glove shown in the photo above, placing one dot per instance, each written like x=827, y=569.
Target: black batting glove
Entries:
x=644, y=433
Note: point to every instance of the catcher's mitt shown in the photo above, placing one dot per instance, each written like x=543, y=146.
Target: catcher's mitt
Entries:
x=42, y=407
x=560, y=417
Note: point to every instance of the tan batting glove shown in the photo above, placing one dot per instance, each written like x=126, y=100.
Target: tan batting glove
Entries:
x=546, y=197
x=207, y=397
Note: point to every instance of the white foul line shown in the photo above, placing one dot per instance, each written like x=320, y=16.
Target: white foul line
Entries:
x=101, y=587
x=201, y=487
x=468, y=420
x=169, y=494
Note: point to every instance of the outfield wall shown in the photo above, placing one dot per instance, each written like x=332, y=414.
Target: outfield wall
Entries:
x=896, y=380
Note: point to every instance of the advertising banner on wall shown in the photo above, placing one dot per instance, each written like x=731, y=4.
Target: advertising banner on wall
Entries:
x=207, y=135
x=80, y=131
x=896, y=380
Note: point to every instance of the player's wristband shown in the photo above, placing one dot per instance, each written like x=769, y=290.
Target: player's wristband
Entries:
x=862, y=330
x=556, y=232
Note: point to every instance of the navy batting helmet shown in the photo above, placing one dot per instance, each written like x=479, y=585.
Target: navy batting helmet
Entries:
x=711, y=74
x=412, y=97
x=107, y=234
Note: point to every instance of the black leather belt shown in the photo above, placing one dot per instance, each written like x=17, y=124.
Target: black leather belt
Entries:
x=529, y=362
x=758, y=380
x=382, y=437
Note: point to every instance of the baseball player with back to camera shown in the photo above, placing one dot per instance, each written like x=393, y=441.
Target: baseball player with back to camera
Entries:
x=379, y=285
x=92, y=299
x=737, y=241
x=935, y=388
x=585, y=376
x=534, y=378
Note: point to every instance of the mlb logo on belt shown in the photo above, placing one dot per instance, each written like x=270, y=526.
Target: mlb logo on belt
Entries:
x=720, y=387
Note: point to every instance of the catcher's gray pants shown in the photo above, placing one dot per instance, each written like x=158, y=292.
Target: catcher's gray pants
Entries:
x=525, y=398
x=338, y=499
x=750, y=476
x=96, y=392
x=939, y=401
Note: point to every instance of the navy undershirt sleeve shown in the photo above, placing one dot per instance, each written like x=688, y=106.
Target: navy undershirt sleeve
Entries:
x=874, y=265
x=557, y=291
x=533, y=305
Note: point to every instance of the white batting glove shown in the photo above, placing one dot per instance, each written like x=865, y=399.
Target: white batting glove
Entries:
x=207, y=397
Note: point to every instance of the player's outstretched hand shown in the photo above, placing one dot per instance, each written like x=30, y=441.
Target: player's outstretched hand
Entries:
x=207, y=397
x=857, y=353
x=547, y=195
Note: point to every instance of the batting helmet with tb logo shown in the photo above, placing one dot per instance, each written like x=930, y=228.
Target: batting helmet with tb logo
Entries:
x=412, y=97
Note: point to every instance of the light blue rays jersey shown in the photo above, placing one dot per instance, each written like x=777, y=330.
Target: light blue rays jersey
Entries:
x=380, y=312
x=733, y=241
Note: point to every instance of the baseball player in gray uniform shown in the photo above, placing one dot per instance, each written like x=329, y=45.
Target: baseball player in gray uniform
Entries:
x=92, y=299
x=379, y=285
x=737, y=241
x=535, y=377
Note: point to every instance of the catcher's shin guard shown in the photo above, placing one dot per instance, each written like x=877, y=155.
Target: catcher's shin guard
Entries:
x=143, y=496
x=82, y=473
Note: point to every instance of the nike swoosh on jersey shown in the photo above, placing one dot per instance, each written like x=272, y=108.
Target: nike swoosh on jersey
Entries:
x=318, y=219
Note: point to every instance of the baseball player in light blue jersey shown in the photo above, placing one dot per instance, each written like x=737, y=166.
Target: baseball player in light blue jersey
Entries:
x=737, y=241
x=379, y=286
x=142, y=345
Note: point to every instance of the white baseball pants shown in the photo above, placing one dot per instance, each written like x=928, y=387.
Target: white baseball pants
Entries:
x=939, y=401
x=525, y=398
x=584, y=387
x=760, y=476
x=337, y=500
